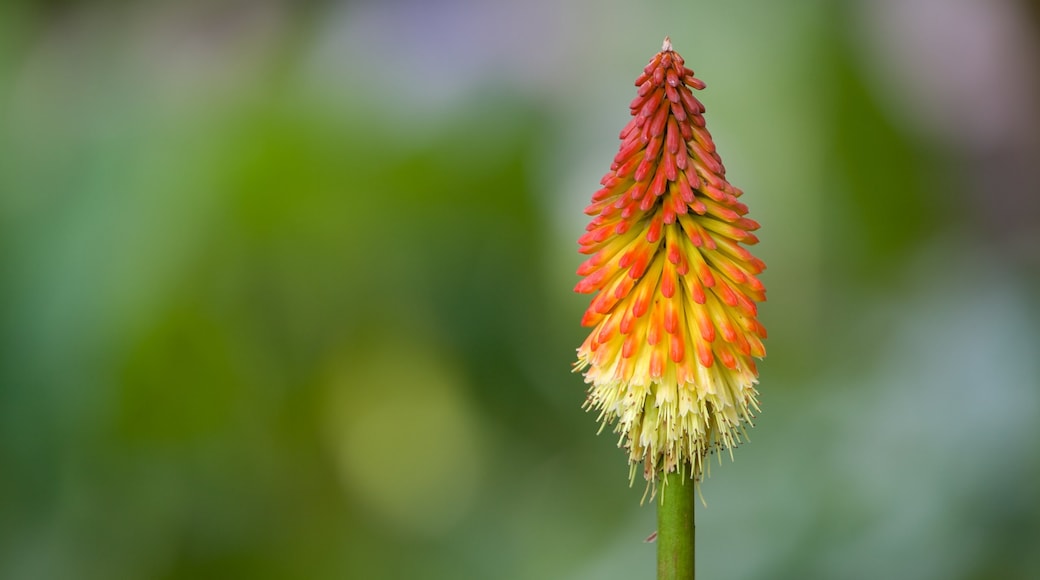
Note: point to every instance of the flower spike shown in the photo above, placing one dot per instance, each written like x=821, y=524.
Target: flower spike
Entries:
x=674, y=320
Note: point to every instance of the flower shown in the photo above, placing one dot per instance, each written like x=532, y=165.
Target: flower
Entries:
x=674, y=321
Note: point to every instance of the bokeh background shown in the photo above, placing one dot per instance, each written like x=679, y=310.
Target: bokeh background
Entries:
x=285, y=287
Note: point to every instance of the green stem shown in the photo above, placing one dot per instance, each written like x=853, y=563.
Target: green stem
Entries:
x=675, y=529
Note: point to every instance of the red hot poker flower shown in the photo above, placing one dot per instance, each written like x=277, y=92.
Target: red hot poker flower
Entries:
x=675, y=328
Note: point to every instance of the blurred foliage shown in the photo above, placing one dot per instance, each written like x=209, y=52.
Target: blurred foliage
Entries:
x=256, y=325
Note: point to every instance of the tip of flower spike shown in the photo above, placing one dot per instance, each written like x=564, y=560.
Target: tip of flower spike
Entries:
x=666, y=46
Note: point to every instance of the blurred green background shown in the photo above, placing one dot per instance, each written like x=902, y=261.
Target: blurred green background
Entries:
x=285, y=288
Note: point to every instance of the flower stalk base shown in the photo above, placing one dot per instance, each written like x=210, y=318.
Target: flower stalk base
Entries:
x=675, y=529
